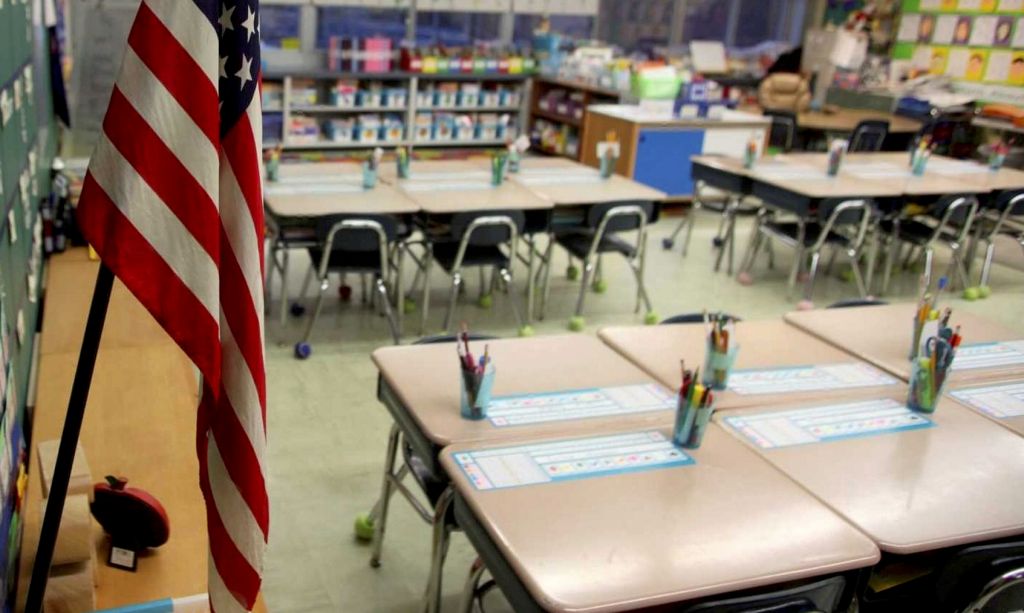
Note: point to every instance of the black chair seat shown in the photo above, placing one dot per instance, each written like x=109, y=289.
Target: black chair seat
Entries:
x=351, y=261
x=811, y=233
x=476, y=255
x=297, y=234
x=916, y=232
x=429, y=483
x=578, y=243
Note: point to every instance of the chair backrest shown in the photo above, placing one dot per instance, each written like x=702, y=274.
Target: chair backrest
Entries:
x=620, y=219
x=362, y=233
x=984, y=571
x=838, y=213
x=856, y=302
x=869, y=135
x=783, y=130
x=692, y=318
x=825, y=595
x=955, y=210
x=487, y=234
x=1011, y=202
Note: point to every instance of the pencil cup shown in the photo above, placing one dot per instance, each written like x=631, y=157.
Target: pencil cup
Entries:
x=273, y=166
x=608, y=163
x=476, y=393
x=835, y=156
x=403, y=168
x=923, y=394
x=919, y=163
x=498, y=165
x=369, y=176
x=685, y=418
x=513, y=162
x=995, y=161
x=717, y=366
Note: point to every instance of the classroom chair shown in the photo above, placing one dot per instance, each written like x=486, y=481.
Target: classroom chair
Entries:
x=987, y=578
x=600, y=235
x=692, y=318
x=946, y=222
x=782, y=134
x=830, y=595
x=281, y=240
x=371, y=526
x=347, y=243
x=844, y=227
x=868, y=136
x=1005, y=218
x=475, y=240
x=728, y=206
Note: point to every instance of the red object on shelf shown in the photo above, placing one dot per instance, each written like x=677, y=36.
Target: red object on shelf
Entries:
x=130, y=513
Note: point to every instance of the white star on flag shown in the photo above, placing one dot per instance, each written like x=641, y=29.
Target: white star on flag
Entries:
x=223, y=67
x=225, y=19
x=244, y=72
x=249, y=24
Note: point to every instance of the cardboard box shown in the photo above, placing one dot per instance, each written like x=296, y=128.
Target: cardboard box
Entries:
x=70, y=589
x=81, y=478
x=74, y=540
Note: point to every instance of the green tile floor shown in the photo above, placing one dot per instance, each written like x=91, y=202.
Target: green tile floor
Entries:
x=327, y=432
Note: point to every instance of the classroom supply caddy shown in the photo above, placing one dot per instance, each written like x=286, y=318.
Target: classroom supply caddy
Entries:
x=721, y=350
x=476, y=378
x=695, y=405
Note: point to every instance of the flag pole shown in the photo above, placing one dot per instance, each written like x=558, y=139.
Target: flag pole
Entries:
x=69, y=439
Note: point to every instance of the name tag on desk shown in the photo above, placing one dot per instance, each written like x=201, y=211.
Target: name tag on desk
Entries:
x=807, y=379
x=1000, y=401
x=989, y=355
x=530, y=409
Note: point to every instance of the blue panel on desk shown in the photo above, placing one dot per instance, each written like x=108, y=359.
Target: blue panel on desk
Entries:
x=663, y=159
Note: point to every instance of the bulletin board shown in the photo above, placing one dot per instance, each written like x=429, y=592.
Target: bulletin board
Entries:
x=26, y=148
x=977, y=43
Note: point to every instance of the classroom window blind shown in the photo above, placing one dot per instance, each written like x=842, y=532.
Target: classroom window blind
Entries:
x=573, y=27
x=456, y=29
x=279, y=26
x=358, y=21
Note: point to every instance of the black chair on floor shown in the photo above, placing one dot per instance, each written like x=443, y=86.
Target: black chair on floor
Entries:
x=856, y=302
x=868, y=136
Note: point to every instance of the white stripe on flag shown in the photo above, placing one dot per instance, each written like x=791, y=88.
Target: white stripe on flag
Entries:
x=235, y=514
x=170, y=121
x=242, y=393
x=221, y=600
x=193, y=30
x=157, y=224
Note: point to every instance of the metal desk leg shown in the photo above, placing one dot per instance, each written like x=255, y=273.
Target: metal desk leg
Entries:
x=546, y=285
x=381, y=509
x=530, y=285
x=442, y=537
x=476, y=570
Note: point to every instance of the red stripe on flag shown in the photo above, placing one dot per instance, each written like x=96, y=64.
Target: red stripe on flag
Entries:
x=241, y=315
x=129, y=132
x=241, y=462
x=161, y=52
x=149, y=278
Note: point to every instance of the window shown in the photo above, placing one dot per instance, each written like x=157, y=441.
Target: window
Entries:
x=569, y=26
x=279, y=26
x=356, y=21
x=706, y=20
x=456, y=29
x=762, y=20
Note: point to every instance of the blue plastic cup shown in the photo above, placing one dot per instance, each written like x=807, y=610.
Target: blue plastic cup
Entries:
x=403, y=169
x=273, y=166
x=717, y=367
x=920, y=164
x=995, y=161
x=476, y=393
x=498, y=169
x=369, y=176
x=922, y=395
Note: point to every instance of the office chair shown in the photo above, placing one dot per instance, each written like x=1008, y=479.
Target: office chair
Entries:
x=844, y=227
x=599, y=235
x=476, y=240
x=692, y=318
x=868, y=136
x=359, y=244
x=948, y=221
x=1005, y=218
x=371, y=526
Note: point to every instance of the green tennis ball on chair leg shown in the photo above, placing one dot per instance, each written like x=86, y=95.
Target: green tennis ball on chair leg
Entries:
x=526, y=331
x=364, y=527
x=600, y=286
x=572, y=273
x=971, y=293
x=984, y=291
x=486, y=301
x=577, y=323
x=650, y=318
x=408, y=305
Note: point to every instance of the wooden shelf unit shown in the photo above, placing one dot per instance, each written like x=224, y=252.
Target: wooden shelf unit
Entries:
x=592, y=94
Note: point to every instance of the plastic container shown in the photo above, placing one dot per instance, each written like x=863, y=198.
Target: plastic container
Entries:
x=475, y=395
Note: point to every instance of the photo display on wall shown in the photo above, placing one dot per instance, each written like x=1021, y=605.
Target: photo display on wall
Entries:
x=979, y=41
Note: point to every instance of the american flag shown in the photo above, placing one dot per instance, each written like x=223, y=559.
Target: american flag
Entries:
x=172, y=203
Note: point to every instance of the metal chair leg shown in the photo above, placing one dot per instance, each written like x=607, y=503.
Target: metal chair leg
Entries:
x=957, y=267
x=811, y=274
x=986, y=268
x=284, y=287
x=752, y=246
x=546, y=287
x=641, y=291
x=386, y=490
x=892, y=256
x=588, y=269
x=324, y=284
x=928, y=258
x=439, y=551
x=726, y=223
x=476, y=570
x=506, y=276
x=428, y=262
x=397, y=288
x=863, y=288
x=530, y=285
x=453, y=297
x=798, y=259
x=382, y=291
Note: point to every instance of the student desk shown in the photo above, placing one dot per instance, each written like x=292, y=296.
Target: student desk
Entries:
x=419, y=386
x=318, y=196
x=763, y=345
x=1003, y=401
x=653, y=536
x=882, y=335
x=939, y=178
x=959, y=481
x=845, y=120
